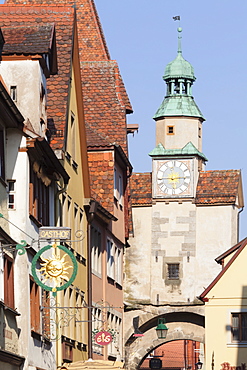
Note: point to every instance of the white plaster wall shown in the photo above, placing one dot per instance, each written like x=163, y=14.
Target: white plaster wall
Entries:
x=18, y=169
x=137, y=257
x=27, y=75
x=176, y=233
x=216, y=232
x=187, y=125
x=34, y=351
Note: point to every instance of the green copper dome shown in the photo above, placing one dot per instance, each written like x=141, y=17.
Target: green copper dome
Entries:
x=179, y=77
x=179, y=67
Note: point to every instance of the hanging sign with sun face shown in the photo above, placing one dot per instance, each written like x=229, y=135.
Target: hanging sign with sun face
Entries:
x=54, y=268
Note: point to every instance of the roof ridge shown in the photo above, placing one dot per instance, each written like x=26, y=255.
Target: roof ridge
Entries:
x=100, y=29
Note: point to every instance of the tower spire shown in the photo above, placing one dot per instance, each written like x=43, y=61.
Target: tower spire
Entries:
x=179, y=40
x=179, y=78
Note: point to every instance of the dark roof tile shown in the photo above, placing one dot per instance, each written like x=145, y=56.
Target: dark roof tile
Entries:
x=27, y=39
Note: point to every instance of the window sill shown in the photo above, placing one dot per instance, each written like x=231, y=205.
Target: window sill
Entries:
x=97, y=274
x=110, y=280
x=35, y=221
x=172, y=281
x=237, y=345
x=2, y=181
x=119, y=286
x=11, y=310
x=36, y=335
x=46, y=340
x=74, y=165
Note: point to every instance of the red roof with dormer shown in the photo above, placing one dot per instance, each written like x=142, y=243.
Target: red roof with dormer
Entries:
x=105, y=99
x=36, y=16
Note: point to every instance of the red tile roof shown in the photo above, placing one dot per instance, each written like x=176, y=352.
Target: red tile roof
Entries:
x=217, y=187
x=58, y=85
x=101, y=168
x=141, y=189
x=27, y=40
x=214, y=187
x=104, y=96
x=104, y=111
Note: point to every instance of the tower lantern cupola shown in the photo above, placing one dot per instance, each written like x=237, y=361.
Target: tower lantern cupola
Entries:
x=179, y=77
x=179, y=74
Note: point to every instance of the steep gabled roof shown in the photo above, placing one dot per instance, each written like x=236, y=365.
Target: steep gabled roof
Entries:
x=105, y=98
x=237, y=249
x=104, y=112
x=57, y=86
x=219, y=187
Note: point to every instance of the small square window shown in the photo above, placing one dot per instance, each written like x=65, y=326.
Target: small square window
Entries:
x=173, y=271
x=199, y=132
x=170, y=130
x=13, y=93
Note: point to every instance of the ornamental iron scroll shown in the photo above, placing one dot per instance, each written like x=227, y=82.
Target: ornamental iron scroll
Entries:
x=60, y=317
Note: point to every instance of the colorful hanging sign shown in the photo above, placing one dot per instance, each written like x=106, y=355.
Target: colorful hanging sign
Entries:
x=54, y=269
x=103, y=338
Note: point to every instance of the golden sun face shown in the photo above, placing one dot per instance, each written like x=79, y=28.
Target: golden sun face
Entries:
x=54, y=269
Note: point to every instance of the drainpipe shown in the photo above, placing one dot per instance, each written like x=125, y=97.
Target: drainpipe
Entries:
x=65, y=186
x=91, y=214
x=241, y=210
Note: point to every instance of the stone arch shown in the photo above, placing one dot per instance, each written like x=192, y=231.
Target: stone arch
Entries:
x=182, y=322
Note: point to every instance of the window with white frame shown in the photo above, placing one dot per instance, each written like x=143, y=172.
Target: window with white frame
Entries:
x=239, y=327
x=11, y=194
x=110, y=259
x=119, y=265
x=96, y=251
x=118, y=186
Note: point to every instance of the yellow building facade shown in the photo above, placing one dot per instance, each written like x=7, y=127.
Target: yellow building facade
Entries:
x=72, y=342
x=226, y=312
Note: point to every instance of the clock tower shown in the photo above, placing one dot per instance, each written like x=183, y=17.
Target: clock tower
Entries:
x=183, y=217
x=177, y=157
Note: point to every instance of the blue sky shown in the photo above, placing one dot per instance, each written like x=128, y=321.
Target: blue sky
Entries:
x=142, y=37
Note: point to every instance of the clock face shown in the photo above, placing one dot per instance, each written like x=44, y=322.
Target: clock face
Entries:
x=173, y=177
